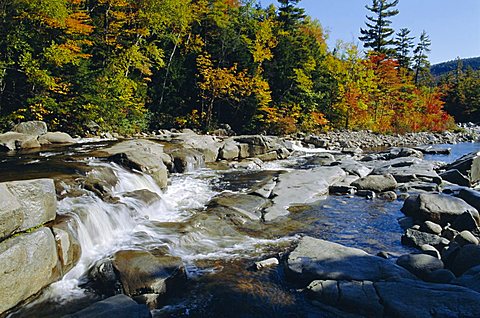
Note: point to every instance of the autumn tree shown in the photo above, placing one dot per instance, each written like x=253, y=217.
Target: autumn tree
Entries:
x=378, y=34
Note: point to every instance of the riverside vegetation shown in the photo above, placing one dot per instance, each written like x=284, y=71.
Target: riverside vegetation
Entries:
x=132, y=66
x=209, y=226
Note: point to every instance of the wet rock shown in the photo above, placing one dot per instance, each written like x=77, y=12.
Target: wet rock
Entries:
x=301, y=187
x=119, y=306
x=11, y=214
x=466, y=221
x=406, y=222
x=249, y=206
x=468, y=165
x=323, y=260
x=418, y=238
x=102, y=278
x=354, y=297
x=283, y=153
x=209, y=146
x=354, y=167
x=456, y=177
x=467, y=257
x=141, y=272
x=187, y=159
x=266, y=263
x=55, y=138
x=470, y=196
x=101, y=180
x=368, y=194
x=470, y=279
x=264, y=188
x=146, y=196
x=11, y=141
x=449, y=253
x=142, y=155
x=441, y=276
x=229, y=150
x=37, y=199
x=342, y=189
x=320, y=159
x=269, y=156
x=388, y=196
x=68, y=247
x=466, y=237
x=421, y=265
x=407, y=298
x=431, y=227
x=28, y=263
x=31, y=128
x=438, y=208
x=376, y=183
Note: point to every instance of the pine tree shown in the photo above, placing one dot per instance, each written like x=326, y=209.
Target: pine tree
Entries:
x=420, y=57
x=290, y=14
x=378, y=35
x=404, y=44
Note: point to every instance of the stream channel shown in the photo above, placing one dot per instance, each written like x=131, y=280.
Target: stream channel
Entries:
x=218, y=262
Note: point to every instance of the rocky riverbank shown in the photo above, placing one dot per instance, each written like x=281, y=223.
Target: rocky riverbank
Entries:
x=441, y=202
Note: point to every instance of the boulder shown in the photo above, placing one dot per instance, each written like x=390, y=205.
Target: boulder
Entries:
x=467, y=257
x=468, y=165
x=438, y=208
x=119, y=306
x=143, y=195
x=421, y=265
x=11, y=141
x=37, y=199
x=249, y=206
x=466, y=237
x=456, y=177
x=376, y=183
x=187, y=159
x=229, y=150
x=209, y=146
x=11, y=212
x=470, y=196
x=358, y=297
x=100, y=180
x=441, y=276
x=102, y=278
x=31, y=128
x=301, y=187
x=320, y=159
x=318, y=259
x=470, y=279
x=56, y=138
x=418, y=238
x=141, y=272
x=28, y=263
x=142, y=155
x=431, y=227
x=407, y=170
x=353, y=167
x=408, y=298
x=465, y=221
x=259, y=145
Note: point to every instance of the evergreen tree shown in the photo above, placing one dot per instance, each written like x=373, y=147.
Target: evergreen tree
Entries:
x=378, y=34
x=404, y=44
x=289, y=14
x=420, y=58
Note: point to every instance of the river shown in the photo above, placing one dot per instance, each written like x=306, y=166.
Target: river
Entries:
x=221, y=282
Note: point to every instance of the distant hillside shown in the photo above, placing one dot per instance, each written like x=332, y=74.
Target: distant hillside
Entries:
x=445, y=67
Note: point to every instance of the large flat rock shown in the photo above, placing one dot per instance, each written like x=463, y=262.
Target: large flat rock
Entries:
x=28, y=263
x=37, y=199
x=301, y=187
x=316, y=259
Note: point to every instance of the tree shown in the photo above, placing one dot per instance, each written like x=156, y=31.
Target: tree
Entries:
x=404, y=45
x=378, y=34
x=420, y=57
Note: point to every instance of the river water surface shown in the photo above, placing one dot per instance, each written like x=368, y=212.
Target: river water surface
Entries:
x=221, y=281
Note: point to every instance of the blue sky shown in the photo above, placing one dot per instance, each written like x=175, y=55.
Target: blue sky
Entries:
x=453, y=25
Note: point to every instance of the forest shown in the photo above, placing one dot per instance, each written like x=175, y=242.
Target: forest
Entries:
x=129, y=66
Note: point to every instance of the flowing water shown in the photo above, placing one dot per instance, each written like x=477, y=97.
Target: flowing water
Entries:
x=217, y=261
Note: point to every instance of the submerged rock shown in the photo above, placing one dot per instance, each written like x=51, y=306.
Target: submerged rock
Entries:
x=119, y=306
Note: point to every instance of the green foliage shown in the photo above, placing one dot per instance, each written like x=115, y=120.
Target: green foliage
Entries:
x=135, y=65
